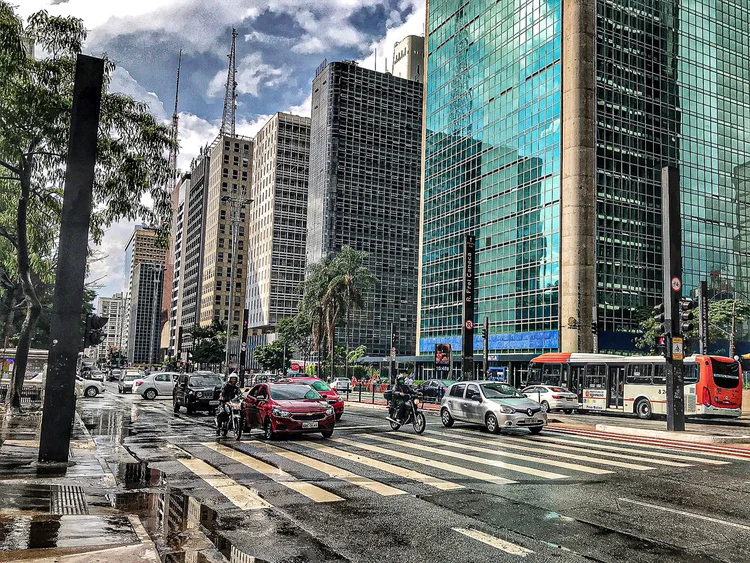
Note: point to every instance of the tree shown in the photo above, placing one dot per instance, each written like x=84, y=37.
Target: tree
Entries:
x=209, y=343
x=271, y=356
x=297, y=332
x=311, y=306
x=351, y=280
x=35, y=107
x=170, y=363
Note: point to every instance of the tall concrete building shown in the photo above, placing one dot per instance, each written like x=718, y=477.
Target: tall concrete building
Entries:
x=113, y=308
x=141, y=247
x=192, y=252
x=556, y=169
x=277, y=224
x=365, y=150
x=408, y=58
x=145, y=306
x=177, y=252
x=229, y=170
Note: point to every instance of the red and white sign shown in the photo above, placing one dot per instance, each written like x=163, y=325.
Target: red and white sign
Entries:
x=676, y=284
x=295, y=366
x=469, y=325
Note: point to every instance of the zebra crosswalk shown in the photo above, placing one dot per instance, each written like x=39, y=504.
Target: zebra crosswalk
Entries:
x=393, y=464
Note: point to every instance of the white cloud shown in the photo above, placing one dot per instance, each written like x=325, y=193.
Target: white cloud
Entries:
x=304, y=109
x=110, y=269
x=124, y=83
x=396, y=31
x=194, y=133
x=252, y=73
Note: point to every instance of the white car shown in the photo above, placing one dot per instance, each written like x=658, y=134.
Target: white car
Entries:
x=161, y=383
x=341, y=384
x=88, y=387
x=552, y=398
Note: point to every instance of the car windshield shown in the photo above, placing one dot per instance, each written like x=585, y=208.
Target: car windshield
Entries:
x=293, y=392
x=500, y=391
x=320, y=386
x=132, y=376
x=205, y=381
x=557, y=389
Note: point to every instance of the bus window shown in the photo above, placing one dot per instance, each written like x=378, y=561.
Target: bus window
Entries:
x=726, y=374
x=534, y=375
x=659, y=377
x=551, y=374
x=692, y=373
x=595, y=376
x=639, y=374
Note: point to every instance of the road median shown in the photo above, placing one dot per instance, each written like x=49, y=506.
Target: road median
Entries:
x=675, y=436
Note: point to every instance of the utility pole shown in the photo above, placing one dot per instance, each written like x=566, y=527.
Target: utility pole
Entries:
x=392, y=367
x=703, y=317
x=467, y=330
x=672, y=290
x=486, y=346
x=734, y=328
x=65, y=327
x=156, y=269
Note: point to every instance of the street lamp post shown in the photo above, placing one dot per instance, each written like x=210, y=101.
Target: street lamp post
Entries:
x=156, y=268
x=236, y=205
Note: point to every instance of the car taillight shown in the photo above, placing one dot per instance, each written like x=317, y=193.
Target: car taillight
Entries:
x=706, y=397
x=138, y=383
x=557, y=397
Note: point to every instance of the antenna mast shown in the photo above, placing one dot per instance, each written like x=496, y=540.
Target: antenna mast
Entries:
x=175, y=128
x=230, y=97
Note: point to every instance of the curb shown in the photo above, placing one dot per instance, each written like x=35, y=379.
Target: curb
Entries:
x=676, y=436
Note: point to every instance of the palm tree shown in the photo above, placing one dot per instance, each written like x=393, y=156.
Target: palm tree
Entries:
x=311, y=305
x=351, y=281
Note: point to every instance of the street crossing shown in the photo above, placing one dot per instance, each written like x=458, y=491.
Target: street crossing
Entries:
x=390, y=464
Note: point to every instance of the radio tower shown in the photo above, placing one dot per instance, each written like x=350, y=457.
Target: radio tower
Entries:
x=230, y=97
x=175, y=127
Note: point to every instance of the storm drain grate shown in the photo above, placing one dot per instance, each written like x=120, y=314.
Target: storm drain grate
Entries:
x=68, y=500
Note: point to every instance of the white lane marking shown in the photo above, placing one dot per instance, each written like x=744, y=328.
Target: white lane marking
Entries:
x=497, y=543
x=333, y=471
x=386, y=467
x=599, y=461
x=242, y=497
x=342, y=427
x=684, y=513
x=472, y=458
x=533, y=459
x=589, y=446
x=480, y=476
x=282, y=477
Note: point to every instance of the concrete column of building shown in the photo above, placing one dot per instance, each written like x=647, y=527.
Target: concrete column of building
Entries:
x=578, y=197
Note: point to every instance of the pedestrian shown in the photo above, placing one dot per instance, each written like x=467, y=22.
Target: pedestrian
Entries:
x=354, y=382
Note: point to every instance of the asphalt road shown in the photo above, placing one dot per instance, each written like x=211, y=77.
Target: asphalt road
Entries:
x=461, y=495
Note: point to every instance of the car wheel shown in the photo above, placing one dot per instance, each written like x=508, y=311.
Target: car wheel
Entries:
x=327, y=433
x=175, y=405
x=446, y=418
x=91, y=392
x=268, y=432
x=643, y=409
x=536, y=429
x=492, y=425
x=150, y=394
x=545, y=406
x=568, y=411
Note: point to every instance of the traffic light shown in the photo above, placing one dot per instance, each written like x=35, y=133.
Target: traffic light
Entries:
x=394, y=338
x=686, y=315
x=484, y=333
x=94, y=334
x=594, y=327
x=661, y=327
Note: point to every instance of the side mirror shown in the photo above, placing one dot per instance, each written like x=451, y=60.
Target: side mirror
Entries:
x=477, y=398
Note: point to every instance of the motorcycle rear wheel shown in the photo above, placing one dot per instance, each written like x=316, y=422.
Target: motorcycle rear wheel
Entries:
x=394, y=425
x=420, y=423
x=237, y=429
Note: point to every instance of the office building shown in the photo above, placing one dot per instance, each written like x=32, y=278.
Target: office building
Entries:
x=365, y=150
x=227, y=185
x=556, y=169
x=145, y=306
x=176, y=249
x=277, y=224
x=192, y=253
x=113, y=309
x=142, y=246
x=408, y=58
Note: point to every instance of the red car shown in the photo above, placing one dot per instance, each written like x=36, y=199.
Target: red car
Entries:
x=288, y=408
x=330, y=395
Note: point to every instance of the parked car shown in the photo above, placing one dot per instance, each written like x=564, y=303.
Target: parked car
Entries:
x=127, y=379
x=434, y=389
x=160, y=383
x=330, y=395
x=197, y=391
x=341, y=384
x=287, y=408
x=114, y=374
x=491, y=404
x=552, y=398
x=88, y=387
x=94, y=374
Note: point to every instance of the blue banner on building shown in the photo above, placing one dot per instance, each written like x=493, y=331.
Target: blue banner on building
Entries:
x=538, y=340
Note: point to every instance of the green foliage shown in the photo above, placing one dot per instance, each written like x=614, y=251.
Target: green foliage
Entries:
x=170, y=363
x=297, y=332
x=355, y=355
x=209, y=343
x=271, y=356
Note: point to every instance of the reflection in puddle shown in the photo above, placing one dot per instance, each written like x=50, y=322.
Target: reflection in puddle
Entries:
x=48, y=531
x=137, y=475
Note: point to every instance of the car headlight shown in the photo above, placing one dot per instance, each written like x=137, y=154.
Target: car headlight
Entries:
x=329, y=411
x=276, y=411
x=506, y=410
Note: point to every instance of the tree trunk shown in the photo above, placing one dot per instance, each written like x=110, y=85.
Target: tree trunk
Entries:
x=7, y=323
x=33, y=306
x=346, y=337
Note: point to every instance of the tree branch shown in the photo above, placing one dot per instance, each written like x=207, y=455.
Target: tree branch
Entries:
x=9, y=236
x=44, y=153
x=12, y=178
x=12, y=168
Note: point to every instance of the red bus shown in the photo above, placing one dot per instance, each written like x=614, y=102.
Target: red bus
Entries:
x=637, y=384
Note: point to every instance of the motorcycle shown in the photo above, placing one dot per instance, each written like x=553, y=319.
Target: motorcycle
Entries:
x=233, y=421
x=413, y=414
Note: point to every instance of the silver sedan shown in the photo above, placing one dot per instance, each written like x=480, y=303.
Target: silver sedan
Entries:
x=491, y=404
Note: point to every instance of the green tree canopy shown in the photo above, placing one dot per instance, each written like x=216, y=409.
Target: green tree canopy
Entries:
x=271, y=356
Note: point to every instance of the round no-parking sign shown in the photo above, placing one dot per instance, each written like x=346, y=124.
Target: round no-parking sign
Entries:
x=469, y=325
x=676, y=284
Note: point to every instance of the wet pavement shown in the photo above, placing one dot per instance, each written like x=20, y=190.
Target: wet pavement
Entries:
x=151, y=485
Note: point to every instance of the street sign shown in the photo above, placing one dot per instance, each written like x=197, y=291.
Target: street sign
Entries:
x=676, y=284
x=469, y=325
x=678, y=351
x=243, y=347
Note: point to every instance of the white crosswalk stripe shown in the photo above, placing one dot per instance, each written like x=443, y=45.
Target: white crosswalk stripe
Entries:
x=241, y=496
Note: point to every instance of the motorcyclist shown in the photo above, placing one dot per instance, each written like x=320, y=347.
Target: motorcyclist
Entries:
x=400, y=394
x=228, y=392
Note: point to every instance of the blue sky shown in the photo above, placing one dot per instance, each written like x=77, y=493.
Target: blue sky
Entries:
x=280, y=43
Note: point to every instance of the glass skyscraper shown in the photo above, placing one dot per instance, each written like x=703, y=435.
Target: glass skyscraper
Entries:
x=545, y=136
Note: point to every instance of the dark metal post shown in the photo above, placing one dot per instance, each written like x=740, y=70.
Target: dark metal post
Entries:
x=671, y=226
x=486, y=347
x=392, y=366
x=467, y=330
x=67, y=307
x=703, y=317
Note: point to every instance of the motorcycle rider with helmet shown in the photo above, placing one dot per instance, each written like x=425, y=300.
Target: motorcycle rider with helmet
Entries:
x=228, y=392
x=400, y=395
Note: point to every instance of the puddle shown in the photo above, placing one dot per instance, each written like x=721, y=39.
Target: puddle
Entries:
x=137, y=475
x=47, y=531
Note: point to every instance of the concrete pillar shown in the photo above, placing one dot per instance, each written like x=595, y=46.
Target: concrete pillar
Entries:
x=578, y=197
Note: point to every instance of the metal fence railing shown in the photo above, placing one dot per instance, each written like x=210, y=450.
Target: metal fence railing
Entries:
x=31, y=394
